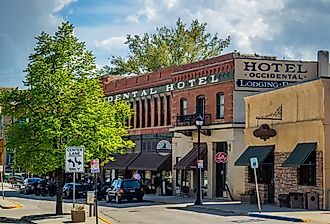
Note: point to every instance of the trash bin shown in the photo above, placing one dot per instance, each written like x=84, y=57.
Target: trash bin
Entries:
x=312, y=201
x=284, y=200
x=296, y=200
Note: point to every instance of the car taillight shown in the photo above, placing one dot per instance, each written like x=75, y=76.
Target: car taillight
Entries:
x=121, y=190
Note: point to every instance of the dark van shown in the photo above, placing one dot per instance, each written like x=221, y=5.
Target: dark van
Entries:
x=125, y=189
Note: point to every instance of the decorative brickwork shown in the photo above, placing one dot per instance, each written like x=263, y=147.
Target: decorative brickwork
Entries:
x=286, y=178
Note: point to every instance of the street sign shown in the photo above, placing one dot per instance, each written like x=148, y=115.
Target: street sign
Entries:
x=200, y=163
x=254, y=162
x=221, y=157
x=74, y=159
x=95, y=166
x=90, y=197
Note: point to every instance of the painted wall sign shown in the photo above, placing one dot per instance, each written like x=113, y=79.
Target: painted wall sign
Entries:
x=254, y=74
x=185, y=84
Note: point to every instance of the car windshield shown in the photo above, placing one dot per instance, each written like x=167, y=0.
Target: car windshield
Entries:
x=131, y=184
x=33, y=180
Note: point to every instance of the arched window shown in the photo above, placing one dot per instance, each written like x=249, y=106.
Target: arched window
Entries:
x=220, y=105
x=183, y=106
x=200, y=105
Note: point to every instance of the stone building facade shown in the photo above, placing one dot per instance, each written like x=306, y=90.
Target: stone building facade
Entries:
x=299, y=160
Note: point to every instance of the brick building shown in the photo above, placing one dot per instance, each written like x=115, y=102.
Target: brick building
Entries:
x=166, y=103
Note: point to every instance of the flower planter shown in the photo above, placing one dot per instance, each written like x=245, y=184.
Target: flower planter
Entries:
x=78, y=216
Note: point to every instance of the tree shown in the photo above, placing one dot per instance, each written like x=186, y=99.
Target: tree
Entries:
x=62, y=106
x=168, y=47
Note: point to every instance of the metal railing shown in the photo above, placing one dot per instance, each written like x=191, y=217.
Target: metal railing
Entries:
x=187, y=120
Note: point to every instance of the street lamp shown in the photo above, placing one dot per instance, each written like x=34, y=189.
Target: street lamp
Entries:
x=199, y=123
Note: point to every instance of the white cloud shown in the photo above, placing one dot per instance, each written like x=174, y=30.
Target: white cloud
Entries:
x=60, y=4
x=111, y=43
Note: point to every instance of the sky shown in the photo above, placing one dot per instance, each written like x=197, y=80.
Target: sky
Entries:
x=288, y=29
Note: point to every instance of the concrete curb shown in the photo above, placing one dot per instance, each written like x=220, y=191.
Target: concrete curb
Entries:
x=13, y=205
x=217, y=209
x=284, y=218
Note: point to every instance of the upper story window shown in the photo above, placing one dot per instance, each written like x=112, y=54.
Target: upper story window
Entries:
x=148, y=113
x=200, y=105
x=220, y=105
x=162, y=111
x=143, y=104
x=183, y=106
x=155, y=112
x=168, y=106
x=137, y=115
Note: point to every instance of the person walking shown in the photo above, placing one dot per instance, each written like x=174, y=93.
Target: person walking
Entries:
x=137, y=176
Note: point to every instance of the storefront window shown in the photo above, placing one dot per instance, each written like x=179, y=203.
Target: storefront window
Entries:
x=307, y=171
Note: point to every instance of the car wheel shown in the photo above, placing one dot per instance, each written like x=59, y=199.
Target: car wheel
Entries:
x=25, y=191
x=140, y=198
x=129, y=199
x=107, y=198
x=118, y=200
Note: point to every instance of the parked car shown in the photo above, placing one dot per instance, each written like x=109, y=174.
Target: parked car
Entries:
x=14, y=179
x=29, y=185
x=125, y=189
x=68, y=190
x=102, y=190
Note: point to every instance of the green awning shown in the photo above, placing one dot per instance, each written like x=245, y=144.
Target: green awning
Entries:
x=261, y=152
x=299, y=154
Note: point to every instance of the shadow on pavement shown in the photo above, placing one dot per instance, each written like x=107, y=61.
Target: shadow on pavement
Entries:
x=208, y=211
x=31, y=218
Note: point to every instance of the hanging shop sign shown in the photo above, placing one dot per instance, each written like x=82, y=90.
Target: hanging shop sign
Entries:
x=257, y=75
x=164, y=147
x=264, y=132
x=221, y=157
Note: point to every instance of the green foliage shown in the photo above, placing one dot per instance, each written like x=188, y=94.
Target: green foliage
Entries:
x=168, y=47
x=62, y=106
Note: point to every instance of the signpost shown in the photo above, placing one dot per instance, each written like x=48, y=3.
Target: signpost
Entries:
x=95, y=168
x=254, y=165
x=74, y=163
x=2, y=175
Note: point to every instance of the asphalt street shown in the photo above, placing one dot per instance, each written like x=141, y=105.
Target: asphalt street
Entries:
x=38, y=209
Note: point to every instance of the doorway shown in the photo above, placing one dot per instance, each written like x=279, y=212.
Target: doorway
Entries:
x=220, y=170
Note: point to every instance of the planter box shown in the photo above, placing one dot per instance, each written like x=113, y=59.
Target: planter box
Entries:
x=249, y=198
x=78, y=216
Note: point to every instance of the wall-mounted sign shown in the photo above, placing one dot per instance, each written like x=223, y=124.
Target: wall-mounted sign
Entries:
x=257, y=75
x=221, y=157
x=264, y=132
x=164, y=147
x=185, y=84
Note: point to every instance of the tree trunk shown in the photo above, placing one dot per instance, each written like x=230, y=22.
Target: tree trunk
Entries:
x=59, y=175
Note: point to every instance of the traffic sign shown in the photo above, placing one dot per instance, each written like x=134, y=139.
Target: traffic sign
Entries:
x=74, y=159
x=221, y=157
x=95, y=166
x=200, y=163
x=254, y=162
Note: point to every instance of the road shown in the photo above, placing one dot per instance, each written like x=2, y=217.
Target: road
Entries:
x=37, y=208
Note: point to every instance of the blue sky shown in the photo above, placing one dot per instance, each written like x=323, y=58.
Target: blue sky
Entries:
x=290, y=29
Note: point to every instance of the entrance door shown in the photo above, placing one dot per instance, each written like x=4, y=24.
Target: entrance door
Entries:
x=220, y=171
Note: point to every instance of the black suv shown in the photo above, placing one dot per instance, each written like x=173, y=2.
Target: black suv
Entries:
x=125, y=189
x=68, y=190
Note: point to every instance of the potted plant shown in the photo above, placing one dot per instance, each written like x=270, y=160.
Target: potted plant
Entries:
x=78, y=213
x=249, y=197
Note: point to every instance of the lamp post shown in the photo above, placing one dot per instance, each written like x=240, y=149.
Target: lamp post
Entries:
x=199, y=123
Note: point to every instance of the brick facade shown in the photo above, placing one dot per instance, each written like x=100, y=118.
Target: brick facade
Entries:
x=286, y=180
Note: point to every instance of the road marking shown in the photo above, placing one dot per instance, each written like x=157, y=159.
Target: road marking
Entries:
x=104, y=220
x=17, y=205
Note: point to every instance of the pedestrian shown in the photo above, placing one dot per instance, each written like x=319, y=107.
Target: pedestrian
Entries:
x=137, y=176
